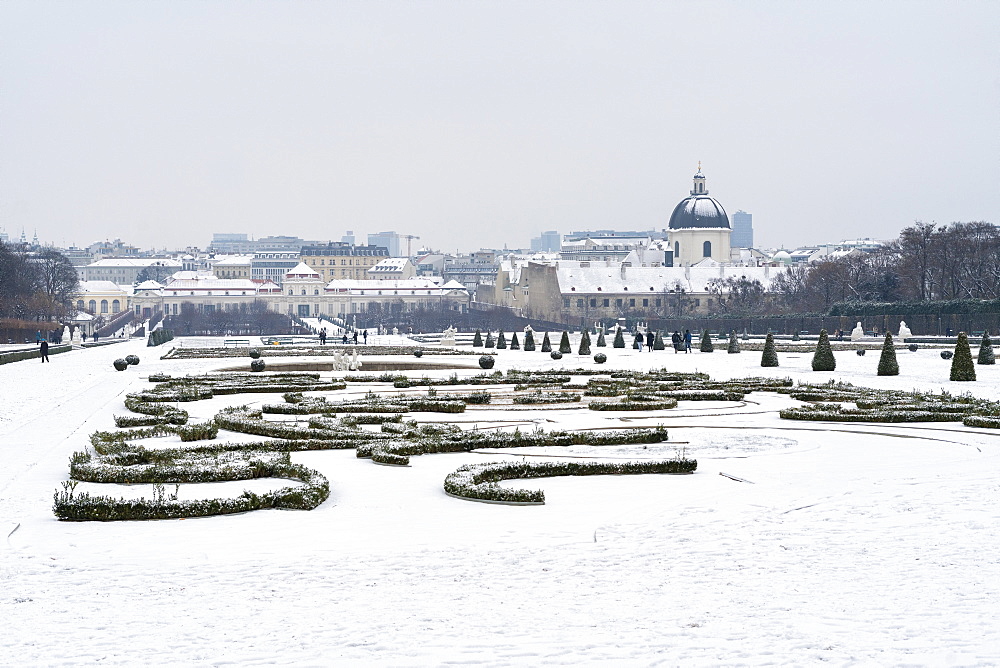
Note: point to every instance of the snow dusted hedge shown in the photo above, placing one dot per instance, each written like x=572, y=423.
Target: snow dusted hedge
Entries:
x=838, y=414
x=480, y=481
x=539, y=397
x=625, y=405
x=990, y=422
x=315, y=489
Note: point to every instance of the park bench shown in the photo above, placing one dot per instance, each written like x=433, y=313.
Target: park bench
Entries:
x=238, y=343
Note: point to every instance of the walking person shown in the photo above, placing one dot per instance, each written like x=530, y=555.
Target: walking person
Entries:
x=44, y=347
x=676, y=340
x=638, y=341
x=355, y=337
x=365, y=334
x=322, y=337
x=650, y=339
x=687, y=340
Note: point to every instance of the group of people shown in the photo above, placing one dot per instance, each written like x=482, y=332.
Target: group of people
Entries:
x=345, y=339
x=679, y=341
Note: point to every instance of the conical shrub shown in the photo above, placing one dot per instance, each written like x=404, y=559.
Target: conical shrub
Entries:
x=477, y=340
x=601, y=343
x=734, y=343
x=823, y=359
x=962, y=367
x=490, y=341
x=529, y=340
x=501, y=342
x=770, y=355
x=564, y=346
x=619, y=341
x=706, y=342
x=546, y=344
x=887, y=364
x=986, y=351
x=658, y=342
x=584, y=343
x=514, y=343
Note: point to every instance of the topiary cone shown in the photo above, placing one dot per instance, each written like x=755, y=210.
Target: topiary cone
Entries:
x=546, y=344
x=501, y=342
x=962, y=368
x=985, y=351
x=770, y=355
x=584, y=343
x=514, y=343
x=619, y=341
x=887, y=364
x=601, y=343
x=706, y=342
x=490, y=341
x=658, y=342
x=529, y=340
x=477, y=340
x=564, y=346
x=823, y=359
x=734, y=343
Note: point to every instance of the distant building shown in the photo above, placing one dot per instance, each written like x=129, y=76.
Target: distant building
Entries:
x=272, y=266
x=471, y=269
x=340, y=260
x=699, y=227
x=125, y=271
x=233, y=266
x=231, y=244
x=548, y=242
x=388, y=240
x=348, y=238
x=742, y=236
x=396, y=268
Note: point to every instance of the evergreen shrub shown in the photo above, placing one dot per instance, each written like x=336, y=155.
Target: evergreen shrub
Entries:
x=564, y=346
x=477, y=340
x=584, y=343
x=254, y=353
x=490, y=341
x=514, y=343
x=947, y=354
x=912, y=347
x=600, y=358
x=770, y=355
x=861, y=352
x=120, y=364
x=658, y=342
x=257, y=365
x=418, y=353
x=529, y=340
x=501, y=342
x=619, y=341
x=546, y=344
x=486, y=362
x=962, y=368
x=556, y=355
x=132, y=359
x=887, y=364
x=706, y=342
x=601, y=343
x=823, y=359
x=986, y=355
x=734, y=343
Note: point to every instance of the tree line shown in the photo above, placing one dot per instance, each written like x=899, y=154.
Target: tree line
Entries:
x=36, y=285
x=926, y=263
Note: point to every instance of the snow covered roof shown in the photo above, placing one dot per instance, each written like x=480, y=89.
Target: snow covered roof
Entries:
x=698, y=211
x=99, y=286
x=611, y=278
x=302, y=271
x=407, y=286
x=238, y=260
x=148, y=285
x=135, y=262
x=214, y=284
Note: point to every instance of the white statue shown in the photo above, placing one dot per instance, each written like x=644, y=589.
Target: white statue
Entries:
x=65, y=335
x=337, y=366
x=355, y=363
x=449, y=337
x=904, y=331
x=528, y=329
x=395, y=331
x=857, y=333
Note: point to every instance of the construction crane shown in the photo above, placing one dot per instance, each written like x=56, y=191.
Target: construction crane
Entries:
x=409, y=240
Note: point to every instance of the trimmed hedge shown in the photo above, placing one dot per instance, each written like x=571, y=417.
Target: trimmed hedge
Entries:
x=986, y=355
x=962, y=368
x=823, y=359
x=159, y=337
x=706, y=342
x=887, y=364
x=480, y=481
x=769, y=358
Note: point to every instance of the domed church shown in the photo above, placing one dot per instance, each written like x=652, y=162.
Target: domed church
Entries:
x=699, y=227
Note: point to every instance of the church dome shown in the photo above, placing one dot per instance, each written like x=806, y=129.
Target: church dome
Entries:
x=699, y=211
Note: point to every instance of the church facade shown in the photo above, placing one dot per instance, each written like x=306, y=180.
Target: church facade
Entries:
x=699, y=227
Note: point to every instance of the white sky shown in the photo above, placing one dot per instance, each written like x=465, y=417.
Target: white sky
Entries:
x=478, y=124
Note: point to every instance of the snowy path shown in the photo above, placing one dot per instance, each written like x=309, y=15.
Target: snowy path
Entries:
x=853, y=544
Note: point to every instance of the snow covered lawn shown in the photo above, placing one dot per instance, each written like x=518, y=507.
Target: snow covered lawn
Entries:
x=848, y=542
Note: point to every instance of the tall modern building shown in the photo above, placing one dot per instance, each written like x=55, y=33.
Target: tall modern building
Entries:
x=742, y=230
x=548, y=242
x=388, y=240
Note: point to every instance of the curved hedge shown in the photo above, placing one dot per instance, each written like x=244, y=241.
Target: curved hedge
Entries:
x=480, y=481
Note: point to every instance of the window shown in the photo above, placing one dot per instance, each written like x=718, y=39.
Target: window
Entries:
x=79, y=305
x=697, y=302
x=706, y=249
x=593, y=302
x=565, y=303
x=631, y=302
x=645, y=302
x=290, y=291
x=658, y=302
x=316, y=291
x=677, y=249
x=104, y=306
x=606, y=304
x=116, y=306
x=579, y=303
x=618, y=302
x=92, y=306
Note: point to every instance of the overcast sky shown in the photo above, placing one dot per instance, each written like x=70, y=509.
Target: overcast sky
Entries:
x=476, y=124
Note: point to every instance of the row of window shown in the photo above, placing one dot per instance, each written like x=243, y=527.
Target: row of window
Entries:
x=91, y=306
x=606, y=303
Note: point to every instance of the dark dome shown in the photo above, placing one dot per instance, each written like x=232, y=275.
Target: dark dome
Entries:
x=698, y=211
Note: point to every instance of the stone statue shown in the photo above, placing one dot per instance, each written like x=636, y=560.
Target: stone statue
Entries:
x=355, y=363
x=857, y=333
x=395, y=331
x=904, y=331
x=449, y=337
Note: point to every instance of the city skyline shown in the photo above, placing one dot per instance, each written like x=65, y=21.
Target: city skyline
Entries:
x=477, y=125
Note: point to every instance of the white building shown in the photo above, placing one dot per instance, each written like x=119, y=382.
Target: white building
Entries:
x=699, y=227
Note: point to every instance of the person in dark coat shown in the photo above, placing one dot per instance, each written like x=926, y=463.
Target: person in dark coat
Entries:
x=677, y=341
x=322, y=337
x=44, y=347
x=687, y=340
x=650, y=339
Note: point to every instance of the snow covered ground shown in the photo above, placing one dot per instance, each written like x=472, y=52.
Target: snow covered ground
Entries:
x=850, y=543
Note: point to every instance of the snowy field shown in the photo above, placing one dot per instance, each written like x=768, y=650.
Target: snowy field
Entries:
x=848, y=543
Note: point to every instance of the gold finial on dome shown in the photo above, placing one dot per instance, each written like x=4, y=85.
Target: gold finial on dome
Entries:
x=699, y=166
